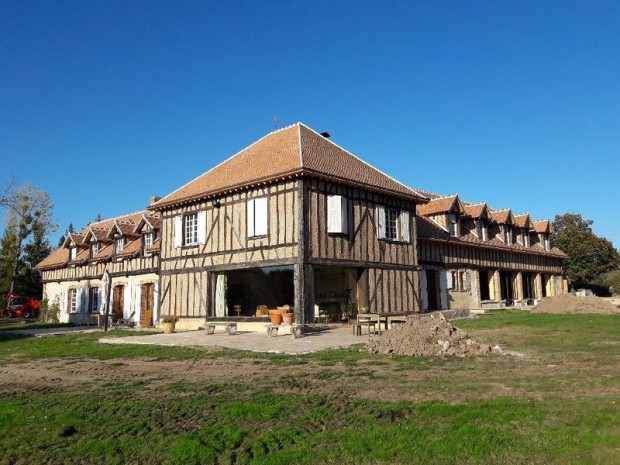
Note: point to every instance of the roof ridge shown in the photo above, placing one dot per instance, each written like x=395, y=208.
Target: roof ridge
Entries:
x=301, y=150
x=161, y=201
x=115, y=218
x=364, y=162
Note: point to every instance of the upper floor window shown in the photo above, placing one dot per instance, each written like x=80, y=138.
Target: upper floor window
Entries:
x=546, y=242
x=507, y=234
x=119, y=244
x=73, y=252
x=393, y=225
x=94, y=249
x=453, y=225
x=93, y=299
x=257, y=217
x=481, y=230
x=525, y=237
x=337, y=214
x=147, y=242
x=190, y=229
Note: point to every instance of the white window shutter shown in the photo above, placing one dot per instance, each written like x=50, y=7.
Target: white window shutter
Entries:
x=65, y=301
x=337, y=214
x=261, y=216
x=79, y=298
x=202, y=227
x=449, y=283
x=250, y=217
x=178, y=231
x=380, y=222
x=405, y=235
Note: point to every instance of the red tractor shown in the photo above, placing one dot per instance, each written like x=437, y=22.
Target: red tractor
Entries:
x=18, y=306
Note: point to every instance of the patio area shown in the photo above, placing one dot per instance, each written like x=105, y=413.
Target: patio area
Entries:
x=328, y=337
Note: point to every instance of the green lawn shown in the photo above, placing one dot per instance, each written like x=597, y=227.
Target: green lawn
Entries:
x=556, y=401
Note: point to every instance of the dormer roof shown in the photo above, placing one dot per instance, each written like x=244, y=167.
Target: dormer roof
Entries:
x=523, y=221
x=438, y=205
x=542, y=226
x=477, y=210
x=153, y=222
x=502, y=216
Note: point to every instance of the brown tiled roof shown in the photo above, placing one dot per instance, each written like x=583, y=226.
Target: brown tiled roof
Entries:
x=296, y=150
x=60, y=257
x=476, y=210
x=438, y=205
x=542, y=226
x=428, y=230
x=76, y=238
x=131, y=249
x=523, y=220
x=501, y=216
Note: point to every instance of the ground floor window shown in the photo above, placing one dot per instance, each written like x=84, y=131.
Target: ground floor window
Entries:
x=93, y=299
x=72, y=300
x=240, y=292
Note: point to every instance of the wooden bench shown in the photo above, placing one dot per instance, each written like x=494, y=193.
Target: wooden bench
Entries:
x=230, y=328
x=295, y=330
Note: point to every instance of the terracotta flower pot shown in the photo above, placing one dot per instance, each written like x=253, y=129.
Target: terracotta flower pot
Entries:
x=287, y=318
x=275, y=318
x=168, y=328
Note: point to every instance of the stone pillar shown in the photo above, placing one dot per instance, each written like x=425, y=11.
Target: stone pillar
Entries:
x=538, y=286
x=497, y=285
x=519, y=286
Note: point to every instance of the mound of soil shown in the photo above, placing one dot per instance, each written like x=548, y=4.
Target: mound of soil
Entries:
x=569, y=303
x=427, y=335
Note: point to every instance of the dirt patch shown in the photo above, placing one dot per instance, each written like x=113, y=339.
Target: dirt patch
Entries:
x=428, y=335
x=568, y=303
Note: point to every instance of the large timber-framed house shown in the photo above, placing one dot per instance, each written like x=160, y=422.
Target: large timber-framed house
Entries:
x=294, y=219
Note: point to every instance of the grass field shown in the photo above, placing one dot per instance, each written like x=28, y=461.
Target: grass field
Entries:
x=555, y=399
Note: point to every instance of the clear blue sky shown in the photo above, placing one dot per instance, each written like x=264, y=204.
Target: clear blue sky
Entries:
x=104, y=104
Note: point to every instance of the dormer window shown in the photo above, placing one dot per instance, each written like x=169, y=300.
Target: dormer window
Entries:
x=73, y=252
x=546, y=241
x=481, y=230
x=525, y=237
x=507, y=234
x=119, y=244
x=453, y=225
x=94, y=249
x=147, y=242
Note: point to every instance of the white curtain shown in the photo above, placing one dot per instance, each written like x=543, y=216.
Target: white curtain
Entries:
x=220, y=295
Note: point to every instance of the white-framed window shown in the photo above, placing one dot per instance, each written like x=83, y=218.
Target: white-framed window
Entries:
x=337, y=214
x=481, y=230
x=507, y=234
x=525, y=237
x=190, y=229
x=119, y=244
x=257, y=217
x=546, y=242
x=93, y=300
x=73, y=252
x=453, y=225
x=72, y=300
x=94, y=249
x=147, y=242
x=392, y=224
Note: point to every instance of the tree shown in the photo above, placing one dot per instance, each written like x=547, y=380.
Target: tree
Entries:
x=589, y=256
x=62, y=239
x=613, y=281
x=24, y=243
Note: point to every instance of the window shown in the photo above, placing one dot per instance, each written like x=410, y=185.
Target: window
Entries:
x=337, y=214
x=119, y=244
x=72, y=300
x=391, y=219
x=73, y=252
x=93, y=299
x=453, y=225
x=507, y=234
x=546, y=239
x=257, y=217
x=481, y=230
x=190, y=229
x=393, y=225
x=457, y=280
x=525, y=237
x=147, y=242
x=94, y=249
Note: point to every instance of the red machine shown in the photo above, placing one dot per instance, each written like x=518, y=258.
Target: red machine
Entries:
x=18, y=306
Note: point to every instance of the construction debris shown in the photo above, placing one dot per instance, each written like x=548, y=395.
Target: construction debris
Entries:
x=568, y=303
x=424, y=335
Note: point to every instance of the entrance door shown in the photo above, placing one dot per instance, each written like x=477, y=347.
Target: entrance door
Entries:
x=118, y=297
x=146, y=304
x=432, y=287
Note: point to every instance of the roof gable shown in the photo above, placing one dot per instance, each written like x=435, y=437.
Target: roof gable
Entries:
x=477, y=210
x=502, y=216
x=523, y=221
x=542, y=226
x=439, y=205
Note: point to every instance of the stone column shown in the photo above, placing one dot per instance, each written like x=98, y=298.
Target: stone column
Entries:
x=538, y=286
x=519, y=286
x=497, y=285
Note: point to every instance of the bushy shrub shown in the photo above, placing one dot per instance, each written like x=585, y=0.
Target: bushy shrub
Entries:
x=49, y=313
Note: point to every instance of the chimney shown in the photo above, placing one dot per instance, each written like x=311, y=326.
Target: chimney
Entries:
x=153, y=199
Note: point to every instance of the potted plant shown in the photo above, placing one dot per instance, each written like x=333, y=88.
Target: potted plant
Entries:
x=275, y=315
x=287, y=318
x=261, y=310
x=363, y=310
x=168, y=323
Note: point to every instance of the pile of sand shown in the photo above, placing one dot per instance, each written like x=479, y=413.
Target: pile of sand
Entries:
x=568, y=303
x=427, y=335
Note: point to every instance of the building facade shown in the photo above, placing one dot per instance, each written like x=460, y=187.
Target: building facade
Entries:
x=296, y=220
